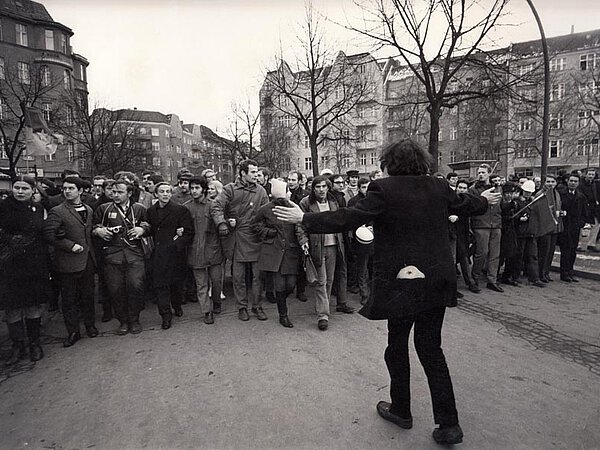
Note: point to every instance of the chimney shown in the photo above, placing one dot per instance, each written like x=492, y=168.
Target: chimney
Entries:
x=135, y=108
x=572, y=29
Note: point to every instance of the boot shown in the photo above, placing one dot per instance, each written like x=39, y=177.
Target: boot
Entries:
x=33, y=331
x=217, y=308
x=17, y=336
x=282, y=309
x=285, y=321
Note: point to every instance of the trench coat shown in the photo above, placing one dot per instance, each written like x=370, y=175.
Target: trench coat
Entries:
x=240, y=201
x=280, y=251
x=168, y=262
x=205, y=250
x=410, y=222
x=24, y=256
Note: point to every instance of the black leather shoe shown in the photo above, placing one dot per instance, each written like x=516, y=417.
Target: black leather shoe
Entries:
x=459, y=294
x=574, y=280
x=123, y=329
x=259, y=313
x=323, y=324
x=178, y=311
x=344, y=308
x=166, y=323
x=217, y=308
x=383, y=408
x=544, y=279
x=549, y=278
x=474, y=288
x=565, y=278
x=243, y=314
x=35, y=352
x=135, y=327
x=17, y=354
x=209, y=318
x=513, y=283
x=448, y=436
x=71, y=339
x=538, y=284
x=285, y=321
x=494, y=287
x=92, y=331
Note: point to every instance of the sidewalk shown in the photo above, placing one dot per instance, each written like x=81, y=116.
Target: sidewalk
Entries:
x=587, y=264
x=525, y=366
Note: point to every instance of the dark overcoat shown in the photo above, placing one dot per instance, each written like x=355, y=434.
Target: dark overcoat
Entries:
x=279, y=250
x=410, y=221
x=23, y=261
x=64, y=228
x=168, y=262
x=205, y=250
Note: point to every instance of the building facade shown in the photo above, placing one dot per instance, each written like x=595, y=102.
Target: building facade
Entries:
x=39, y=68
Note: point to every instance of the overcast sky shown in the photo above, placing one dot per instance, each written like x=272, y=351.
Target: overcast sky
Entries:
x=195, y=57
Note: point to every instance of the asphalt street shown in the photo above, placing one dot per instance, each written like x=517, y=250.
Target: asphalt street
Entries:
x=525, y=366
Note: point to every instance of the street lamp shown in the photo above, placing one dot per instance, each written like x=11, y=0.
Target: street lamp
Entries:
x=546, y=113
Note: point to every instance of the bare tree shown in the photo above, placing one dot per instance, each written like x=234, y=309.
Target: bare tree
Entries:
x=588, y=106
x=23, y=83
x=322, y=89
x=275, y=152
x=438, y=59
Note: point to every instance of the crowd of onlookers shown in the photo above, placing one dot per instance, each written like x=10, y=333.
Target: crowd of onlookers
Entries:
x=138, y=241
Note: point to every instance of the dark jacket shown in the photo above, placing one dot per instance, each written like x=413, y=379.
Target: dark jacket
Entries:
x=240, y=201
x=316, y=240
x=410, y=220
x=168, y=262
x=279, y=251
x=591, y=191
x=206, y=249
x=296, y=195
x=62, y=230
x=492, y=217
x=23, y=255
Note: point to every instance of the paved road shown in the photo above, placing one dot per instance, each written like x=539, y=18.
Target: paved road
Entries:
x=525, y=366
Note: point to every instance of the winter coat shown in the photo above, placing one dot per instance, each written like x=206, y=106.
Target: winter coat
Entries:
x=298, y=194
x=413, y=269
x=280, y=251
x=206, y=249
x=62, y=230
x=492, y=218
x=23, y=255
x=591, y=191
x=168, y=262
x=240, y=201
x=316, y=240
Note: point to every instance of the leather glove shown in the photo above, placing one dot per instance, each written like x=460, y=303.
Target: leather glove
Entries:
x=223, y=230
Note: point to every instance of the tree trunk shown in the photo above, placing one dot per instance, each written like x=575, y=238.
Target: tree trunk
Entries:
x=434, y=135
x=314, y=154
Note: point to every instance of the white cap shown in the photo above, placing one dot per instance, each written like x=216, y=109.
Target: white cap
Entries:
x=364, y=235
x=278, y=188
x=326, y=172
x=528, y=186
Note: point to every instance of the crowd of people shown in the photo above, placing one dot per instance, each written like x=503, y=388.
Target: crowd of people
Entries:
x=137, y=241
x=398, y=238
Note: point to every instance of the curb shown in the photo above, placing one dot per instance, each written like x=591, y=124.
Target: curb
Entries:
x=580, y=273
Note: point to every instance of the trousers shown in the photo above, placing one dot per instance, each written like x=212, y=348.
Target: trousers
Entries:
x=487, y=253
x=246, y=293
x=125, y=283
x=203, y=276
x=77, y=294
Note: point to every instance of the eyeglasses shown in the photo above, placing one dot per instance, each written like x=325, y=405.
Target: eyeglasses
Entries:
x=338, y=182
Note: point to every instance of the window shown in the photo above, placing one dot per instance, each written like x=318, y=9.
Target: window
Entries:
x=468, y=131
x=453, y=134
x=587, y=147
x=49, y=35
x=1, y=116
x=142, y=130
x=70, y=152
x=66, y=80
x=556, y=148
x=156, y=146
x=525, y=69
x=49, y=157
x=525, y=123
x=525, y=149
x=308, y=163
x=82, y=164
x=440, y=135
x=178, y=149
x=306, y=142
x=155, y=131
x=179, y=164
x=453, y=85
x=23, y=72
x=584, y=117
x=373, y=157
x=284, y=121
x=556, y=121
x=21, y=34
x=452, y=156
x=47, y=111
x=557, y=91
x=339, y=92
x=82, y=72
x=63, y=43
x=69, y=116
x=557, y=64
x=587, y=62
x=46, y=77
x=156, y=161
x=363, y=159
x=2, y=74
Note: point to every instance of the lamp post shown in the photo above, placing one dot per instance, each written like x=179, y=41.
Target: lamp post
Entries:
x=546, y=113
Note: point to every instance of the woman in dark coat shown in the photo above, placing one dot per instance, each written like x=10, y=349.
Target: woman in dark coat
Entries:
x=279, y=250
x=414, y=275
x=24, y=279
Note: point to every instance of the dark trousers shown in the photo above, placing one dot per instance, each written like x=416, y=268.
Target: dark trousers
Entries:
x=167, y=296
x=340, y=279
x=546, y=245
x=77, y=293
x=301, y=280
x=428, y=341
x=125, y=283
x=528, y=257
x=568, y=241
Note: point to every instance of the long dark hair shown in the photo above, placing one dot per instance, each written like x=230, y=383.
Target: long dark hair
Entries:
x=405, y=157
x=317, y=180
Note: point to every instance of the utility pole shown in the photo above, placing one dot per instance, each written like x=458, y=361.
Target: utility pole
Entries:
x=546, y=114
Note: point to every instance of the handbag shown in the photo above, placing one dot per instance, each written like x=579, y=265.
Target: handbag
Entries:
x=312, y=276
